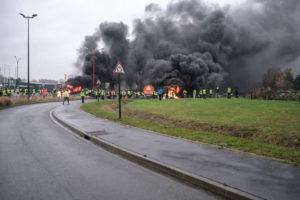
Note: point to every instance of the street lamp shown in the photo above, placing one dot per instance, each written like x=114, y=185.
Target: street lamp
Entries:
x=17, y=60
x=28, y=17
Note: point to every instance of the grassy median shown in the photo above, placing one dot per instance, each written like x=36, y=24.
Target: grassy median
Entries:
x=268, y=128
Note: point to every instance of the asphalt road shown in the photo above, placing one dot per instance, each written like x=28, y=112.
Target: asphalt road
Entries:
x=41, y=160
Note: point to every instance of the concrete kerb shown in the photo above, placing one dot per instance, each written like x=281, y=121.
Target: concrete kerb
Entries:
x=183, y=176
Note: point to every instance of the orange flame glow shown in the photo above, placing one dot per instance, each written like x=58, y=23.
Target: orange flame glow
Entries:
x=173, y=91
x=71, y=89
x=69, y=86
x=77, y=89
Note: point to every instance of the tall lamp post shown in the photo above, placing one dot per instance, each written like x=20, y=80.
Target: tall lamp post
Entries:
x=17, y=60
x=28, y=17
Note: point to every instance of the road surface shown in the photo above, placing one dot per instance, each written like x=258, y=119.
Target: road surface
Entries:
x=39, y=159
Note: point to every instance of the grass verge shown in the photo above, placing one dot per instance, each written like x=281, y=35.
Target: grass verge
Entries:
x=287, y=154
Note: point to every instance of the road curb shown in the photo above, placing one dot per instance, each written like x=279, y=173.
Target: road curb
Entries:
x=183, y=176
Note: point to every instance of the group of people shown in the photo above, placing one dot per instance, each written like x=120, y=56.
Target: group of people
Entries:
x=159, y=94
x=8, y=92
x=112, y=94
x=204, y=93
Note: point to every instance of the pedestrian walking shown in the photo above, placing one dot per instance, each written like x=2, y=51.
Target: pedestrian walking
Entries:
x=194, y=94
x=66, y=96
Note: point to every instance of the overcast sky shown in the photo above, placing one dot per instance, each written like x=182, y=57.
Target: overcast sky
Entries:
x=58, y=30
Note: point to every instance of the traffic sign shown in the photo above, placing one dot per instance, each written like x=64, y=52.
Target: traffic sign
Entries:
x=119, y=69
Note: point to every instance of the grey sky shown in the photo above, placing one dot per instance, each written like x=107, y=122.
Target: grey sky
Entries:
x=58, y=30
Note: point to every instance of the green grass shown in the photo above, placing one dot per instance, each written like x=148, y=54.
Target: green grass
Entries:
x=272, y=121
x=275, y=122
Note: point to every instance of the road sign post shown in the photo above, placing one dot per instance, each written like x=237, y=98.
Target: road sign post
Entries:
x=119, y=70
x=120, y=112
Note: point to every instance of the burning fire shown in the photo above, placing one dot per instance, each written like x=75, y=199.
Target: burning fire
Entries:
x=77, y=89
x=173, y=91
x=72, y=89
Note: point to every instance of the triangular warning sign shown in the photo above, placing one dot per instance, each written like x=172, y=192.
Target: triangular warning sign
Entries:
x=119, y=69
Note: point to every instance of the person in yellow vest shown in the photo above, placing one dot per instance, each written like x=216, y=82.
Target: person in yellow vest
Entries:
x=204, y=93
x=128, y=94
x=210, y=93
x=102, y=94
x=200, y=93
x=228, y=92
x=8, y=91
x=184, y=94
x=98, y=95
x=66, y=96
x=82, y=94
x=4, y=92
x=194, y=94
x=17, y=91
x=123, y=94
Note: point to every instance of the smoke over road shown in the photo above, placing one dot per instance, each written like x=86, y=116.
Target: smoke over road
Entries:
x=195, y=45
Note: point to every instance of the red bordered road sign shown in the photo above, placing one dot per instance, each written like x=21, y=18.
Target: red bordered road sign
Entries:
x=119, y=69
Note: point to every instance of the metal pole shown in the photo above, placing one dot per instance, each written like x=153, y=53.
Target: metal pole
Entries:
x=28, y=17
x=93, y=72
x=4, y=66
x=8, y=76
x=28, y=58
x=17, y=60
x=120, y=113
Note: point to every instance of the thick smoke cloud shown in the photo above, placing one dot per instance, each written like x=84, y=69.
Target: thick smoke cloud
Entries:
x=195, y=45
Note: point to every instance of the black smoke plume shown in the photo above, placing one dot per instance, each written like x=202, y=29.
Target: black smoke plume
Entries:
x=196, y=45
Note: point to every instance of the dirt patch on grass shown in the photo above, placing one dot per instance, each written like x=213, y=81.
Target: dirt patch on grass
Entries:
x=110, y=108
x=252, y=133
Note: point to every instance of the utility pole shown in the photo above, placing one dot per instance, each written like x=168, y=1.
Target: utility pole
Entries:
x=93, y=71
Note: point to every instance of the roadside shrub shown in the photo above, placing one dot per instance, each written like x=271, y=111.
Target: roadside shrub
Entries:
x=4, y=101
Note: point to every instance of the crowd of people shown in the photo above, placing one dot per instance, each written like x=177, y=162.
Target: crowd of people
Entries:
x=101, y=94
x=7, y=92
